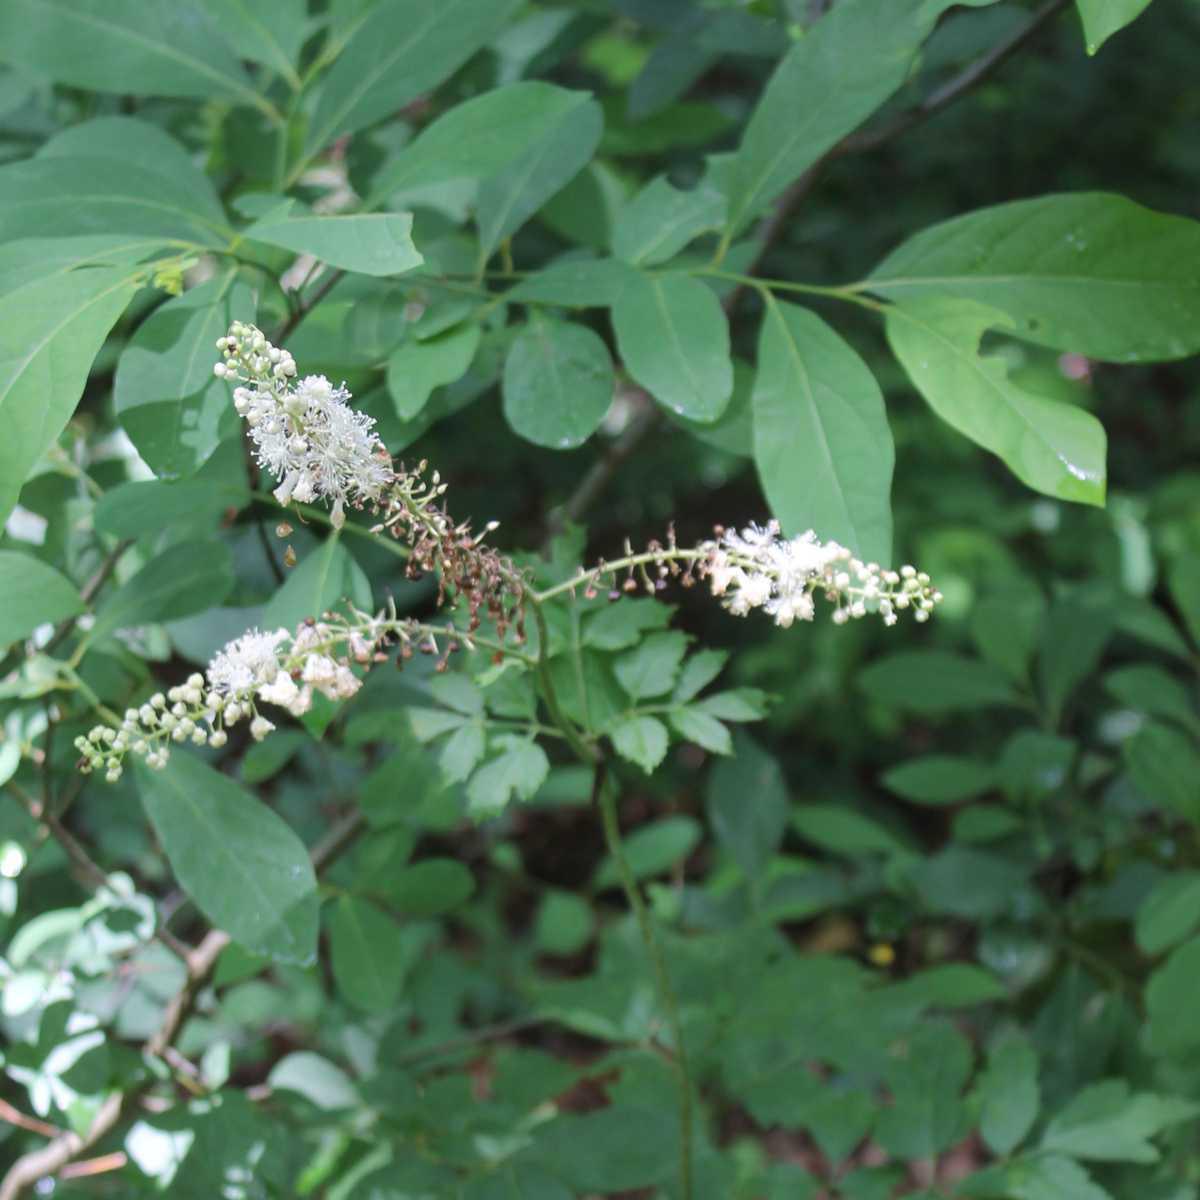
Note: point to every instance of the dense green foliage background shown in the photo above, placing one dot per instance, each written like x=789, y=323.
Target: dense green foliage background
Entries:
x=934, y=924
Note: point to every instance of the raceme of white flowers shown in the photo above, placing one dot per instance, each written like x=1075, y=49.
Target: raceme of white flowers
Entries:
x=276, y=667
x=304, y=433
x=759, y=568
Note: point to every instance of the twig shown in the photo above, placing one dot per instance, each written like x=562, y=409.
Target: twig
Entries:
x=14, y=1116
x=969, y=77
x=68, y=1147
x=288, y=325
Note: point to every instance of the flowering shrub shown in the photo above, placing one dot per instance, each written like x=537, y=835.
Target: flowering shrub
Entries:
x=380, y=828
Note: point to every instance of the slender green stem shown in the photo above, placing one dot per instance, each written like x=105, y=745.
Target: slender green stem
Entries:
x=850, y=293
x=586, y=751
x=593, y=574
x=607, y=796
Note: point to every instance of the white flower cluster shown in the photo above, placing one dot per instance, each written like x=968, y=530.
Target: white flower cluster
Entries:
x=759, y=568
x=304, y=433
x=277, y=668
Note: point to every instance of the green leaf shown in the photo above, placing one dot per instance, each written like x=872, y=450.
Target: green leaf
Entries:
x=699, y=670
x=1102, y=18
x=51, y=330
x=1165, y=765
x=953, y=985
x=660, y=220
x=1075, y=632
x=652, y=850
x=737, y=704
x=674, y=340
x=166, y=396
x=1184, y=581
x=1170, y=1003
x=650, y=668
x=1005, y=625
x=575, y=283
x=748, y=806
x=184, y=579
x=399, y=51
x=641, y=740
x=270, y=32
x=844, y=831
x=1009, y=1095
x=327, y=576
x=480, y=136
x=124, y=46
x=613, y=1149
x=1170, y=913
x=363, y=951
x=1052, y=447
x=622, y=623
x=143, y=506
x=564, y=923
x=247, y=872
x=822, y=443
x=831, y=80
x=462, y=751
x=926, y=1074
x=558, y=383
x=936, y=681
x=415, y=369
x=1044, y=1177
x=1085, y=272
x=940, y=779
x=31, y=594
x=1107, y=1123
x=518, y=772
x=368, y=243
x=432, y=886
x=513, y=194
x=706, y=731
x=1153, y=691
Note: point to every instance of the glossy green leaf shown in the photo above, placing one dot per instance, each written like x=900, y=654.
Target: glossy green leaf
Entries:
x=940, y=779
x=368, y=243
x=822, y=443
x=363, y=946
x=935, y=681
x=513, y=194
x=432, y=886
x=247, y=872
x=185, y=578
x=661, y=219
x=1169, y=913
x=748, y=806
x=640, y=740
x=652, y=849
x=166, y=396
x=160, y=48
x=399, y=51
x=1085, y=272
x=50, y=332
x=416, y=368
x=31, y=594
x=1052, y=447
x=557, y=384
x=1108, y=1123
x=830, y=81
x=323, y=579
x=674, y=340
x=479, y=137
x=1165, y=765
x=1103, y=18
x=1009, y=1095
